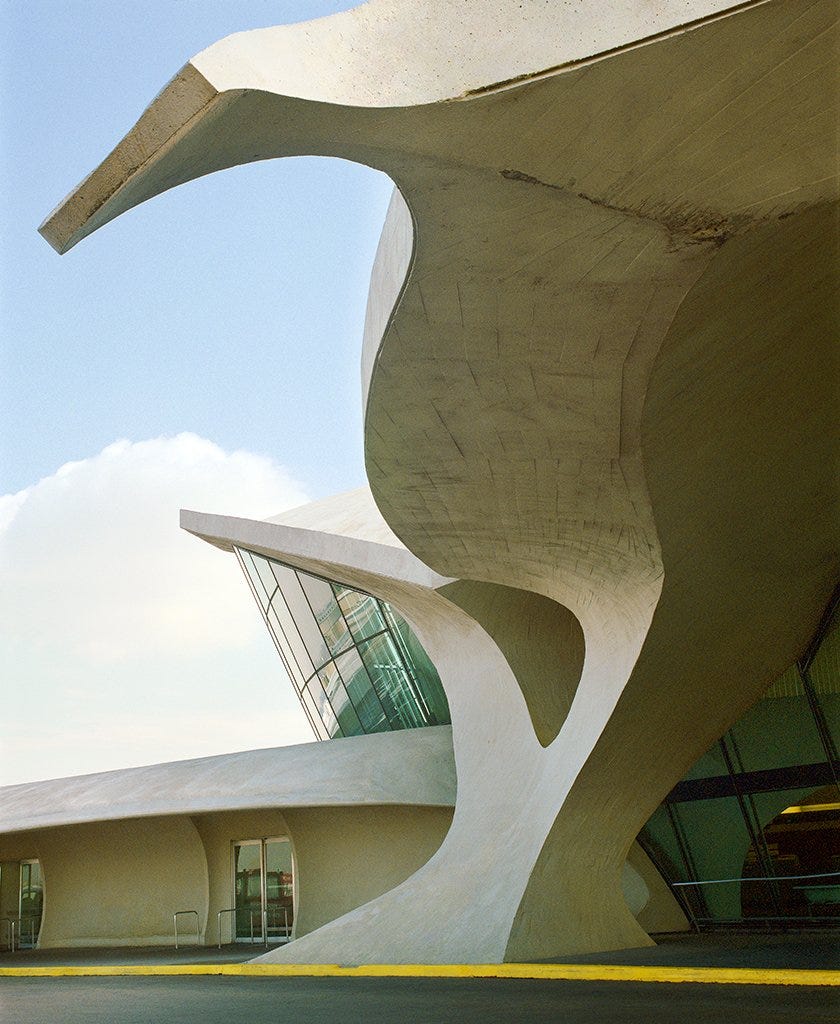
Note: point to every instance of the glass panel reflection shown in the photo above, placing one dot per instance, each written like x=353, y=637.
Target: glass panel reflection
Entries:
x=420, y=666
x=247, y=891
x=340, y=701
x=279, y=890
x=362, y=612
x=392, y=683
x=323, y=631
x=263, y=891
x=751, y=835
x=323, y=706
x=249, y=568
x=776, y=732
x=313, y=716
x=285, y=632
x=362, y=694
x=31, y=903
x=301, y=613
x=264, y=575
x=327, y=613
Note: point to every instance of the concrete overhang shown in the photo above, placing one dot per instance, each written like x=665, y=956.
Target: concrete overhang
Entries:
x=382, y=55
x=345, y=559
x=412, y=768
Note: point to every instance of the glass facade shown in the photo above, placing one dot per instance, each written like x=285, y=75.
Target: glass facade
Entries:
x=356, y=664
x=751, y=835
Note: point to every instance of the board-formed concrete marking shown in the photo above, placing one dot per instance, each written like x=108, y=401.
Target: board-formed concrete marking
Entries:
x=596, y=371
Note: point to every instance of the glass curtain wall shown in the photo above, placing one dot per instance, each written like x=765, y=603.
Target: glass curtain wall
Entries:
x=356, y=664
x=751, y=835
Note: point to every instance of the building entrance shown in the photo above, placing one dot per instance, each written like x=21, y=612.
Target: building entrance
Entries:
x=263, y=890
x=31, y=902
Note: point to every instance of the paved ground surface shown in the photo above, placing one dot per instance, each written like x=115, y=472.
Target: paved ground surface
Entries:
x=213, y=1000
x=802, y=950
x=805, y=951
x=130, y=955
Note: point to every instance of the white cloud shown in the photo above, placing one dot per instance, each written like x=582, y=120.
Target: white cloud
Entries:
x=125, y=640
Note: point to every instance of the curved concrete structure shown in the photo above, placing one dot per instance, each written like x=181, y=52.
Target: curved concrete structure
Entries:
x=484, y=862
x=598, y=397
x=121, y=851
x=414, y=768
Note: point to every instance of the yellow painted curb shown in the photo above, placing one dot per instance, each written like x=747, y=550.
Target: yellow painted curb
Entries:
x=544, y=972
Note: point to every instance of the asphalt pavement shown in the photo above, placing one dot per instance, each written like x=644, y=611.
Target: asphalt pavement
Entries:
x=215, y=1000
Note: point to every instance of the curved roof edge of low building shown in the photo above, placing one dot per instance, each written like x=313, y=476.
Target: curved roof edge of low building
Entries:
x=410, y=767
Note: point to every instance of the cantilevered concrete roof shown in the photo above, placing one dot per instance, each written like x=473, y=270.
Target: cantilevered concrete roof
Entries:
x=343, y=537
x=600, y=368
x=411, y=767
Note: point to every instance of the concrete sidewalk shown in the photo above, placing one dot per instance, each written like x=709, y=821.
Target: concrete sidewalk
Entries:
x=807, y=951
x=108, y=955
x=799, y=951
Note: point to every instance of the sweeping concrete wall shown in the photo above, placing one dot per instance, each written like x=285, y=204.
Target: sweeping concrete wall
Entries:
x=349, y=855
x=114, y=877
x=602, y=381
x=118, y=883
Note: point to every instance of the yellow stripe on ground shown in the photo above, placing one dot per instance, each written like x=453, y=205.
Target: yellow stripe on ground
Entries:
x=545, y=972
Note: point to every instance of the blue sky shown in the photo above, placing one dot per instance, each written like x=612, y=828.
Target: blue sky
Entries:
x=230, y=306
x=201, y=351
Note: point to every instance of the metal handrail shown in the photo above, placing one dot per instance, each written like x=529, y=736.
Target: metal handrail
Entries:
x=31, y=918
x=286, y=929
x=762, y=878
x=10, y=922
x=262, y=916
x=229, y=910
x=262, y=925
x=175, y=917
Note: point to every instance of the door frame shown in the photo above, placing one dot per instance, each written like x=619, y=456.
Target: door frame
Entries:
x=262, y=937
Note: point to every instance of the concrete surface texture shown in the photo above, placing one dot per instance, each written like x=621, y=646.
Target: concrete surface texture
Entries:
x=118, y=883
x=414, y=768
x=121, y=851
x=598, y=397
x=474, y=881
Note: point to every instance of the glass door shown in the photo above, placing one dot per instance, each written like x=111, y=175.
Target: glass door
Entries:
x=279, y=890
x=263, y=890
x=30, y=904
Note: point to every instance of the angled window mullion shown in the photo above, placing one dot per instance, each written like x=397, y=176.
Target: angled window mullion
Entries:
x=346, y=681
x=399, y=644
x=821, y=724
x=279, y=593
x=252, y=575
x=306, y=697
x=316, y=689
x=296, y=676
x=270, y=592
x=338, y=689
x=748, y=813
